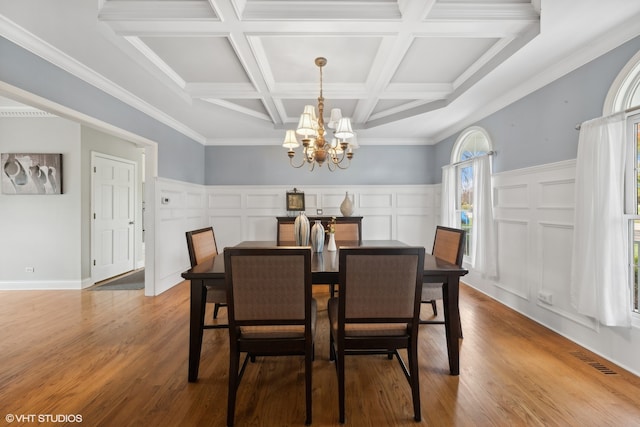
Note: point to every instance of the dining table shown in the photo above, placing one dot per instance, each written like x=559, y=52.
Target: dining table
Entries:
x=324, y=270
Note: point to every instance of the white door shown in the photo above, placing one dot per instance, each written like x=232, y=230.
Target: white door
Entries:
x=113, y=213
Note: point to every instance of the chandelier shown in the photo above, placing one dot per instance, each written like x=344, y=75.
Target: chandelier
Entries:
x=316, y=150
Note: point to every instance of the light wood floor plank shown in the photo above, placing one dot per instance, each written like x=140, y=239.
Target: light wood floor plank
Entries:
x=118, y=358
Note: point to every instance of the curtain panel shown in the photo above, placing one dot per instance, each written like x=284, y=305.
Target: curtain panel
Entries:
x=448, y=197
x=485, y=237
x=600, y=275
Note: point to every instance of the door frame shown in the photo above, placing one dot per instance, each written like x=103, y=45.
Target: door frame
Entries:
x=136, y=183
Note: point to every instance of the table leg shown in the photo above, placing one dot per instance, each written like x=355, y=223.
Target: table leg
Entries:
x=452, y=322
x=196, y=327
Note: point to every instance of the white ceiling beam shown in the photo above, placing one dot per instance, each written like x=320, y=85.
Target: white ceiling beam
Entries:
x=119, y=10
x=222, y=90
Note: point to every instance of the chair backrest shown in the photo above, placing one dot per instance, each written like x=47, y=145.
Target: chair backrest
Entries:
x=268, y=286
x=380, y=284
x=349, y=231
x=448, y=244
x=201, y=245
x=286, y=233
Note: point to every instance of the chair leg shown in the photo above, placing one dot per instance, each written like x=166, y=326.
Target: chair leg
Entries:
x=414, y=380
x=308, y=369
x=340, y=368
x=434, y=307
x=234, y=363
x=332, y=350
x=216, y=307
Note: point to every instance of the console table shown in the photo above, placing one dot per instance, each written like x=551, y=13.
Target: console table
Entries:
x=285, y=226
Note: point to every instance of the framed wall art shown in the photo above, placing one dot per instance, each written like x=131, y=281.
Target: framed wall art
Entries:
x=295, y=200
x=31, y=173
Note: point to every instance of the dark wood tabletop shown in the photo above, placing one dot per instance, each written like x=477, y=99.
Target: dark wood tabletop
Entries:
x=323, y=265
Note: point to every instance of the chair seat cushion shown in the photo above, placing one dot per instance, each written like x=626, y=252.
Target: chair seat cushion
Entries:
x=363, y=329
x=215, y=294
x=280, y=331
x=431, y=291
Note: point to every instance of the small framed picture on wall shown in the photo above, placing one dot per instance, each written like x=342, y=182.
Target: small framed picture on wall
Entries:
x=295, y=200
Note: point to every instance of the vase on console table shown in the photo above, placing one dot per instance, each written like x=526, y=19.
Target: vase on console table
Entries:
x=301, y=230
x=331, y=246
x=346, y=207
x=317, y=236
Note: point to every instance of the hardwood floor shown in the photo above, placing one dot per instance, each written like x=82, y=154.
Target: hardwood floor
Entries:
x=117, y=358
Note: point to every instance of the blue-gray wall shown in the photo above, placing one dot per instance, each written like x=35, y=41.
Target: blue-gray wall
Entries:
x=179, y=157
x=269, y=165
x=540, y=128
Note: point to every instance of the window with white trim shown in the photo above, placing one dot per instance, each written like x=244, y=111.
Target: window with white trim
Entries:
x=624, y=95
x=633, y=204
x=471, y=143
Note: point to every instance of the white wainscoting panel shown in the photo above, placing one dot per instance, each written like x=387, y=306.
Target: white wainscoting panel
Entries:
x=378, y=227
x=376, y=200
x=415, y=230
x=380, y=207
x=558, y=194
x=183, y=211
x=226, y=229
x=514, y=257
x=512, y=196
x=228, y=201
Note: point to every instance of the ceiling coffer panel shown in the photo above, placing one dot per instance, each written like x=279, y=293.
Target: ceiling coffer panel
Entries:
x=199, y=59
x=440, y=59
x=291, y=58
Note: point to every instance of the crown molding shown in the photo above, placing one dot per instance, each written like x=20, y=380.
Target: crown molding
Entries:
x=23, y=113
x=49, y=53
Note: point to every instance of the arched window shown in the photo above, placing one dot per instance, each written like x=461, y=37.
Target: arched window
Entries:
x=624, y=95
x=624, y=92
x=471, y=143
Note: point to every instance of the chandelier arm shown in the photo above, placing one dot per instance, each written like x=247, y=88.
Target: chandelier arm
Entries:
x=296, y=166
x=331, y=166
x=334, y=158
x=339, y=165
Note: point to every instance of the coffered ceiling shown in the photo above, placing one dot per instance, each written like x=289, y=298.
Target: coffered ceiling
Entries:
x=241, y=71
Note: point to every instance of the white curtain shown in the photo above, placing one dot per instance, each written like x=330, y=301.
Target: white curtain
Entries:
x=484, y=234
x=448, y=197
x=599, y=275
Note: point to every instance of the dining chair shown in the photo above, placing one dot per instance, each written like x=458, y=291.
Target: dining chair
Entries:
x=377, y=310
x=201, y=245
x=271, y=311
x=285, y=235
x=349, y=231
x=448, y=245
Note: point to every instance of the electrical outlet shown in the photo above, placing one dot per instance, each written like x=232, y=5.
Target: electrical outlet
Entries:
x=29, y=269
x=546, y=297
